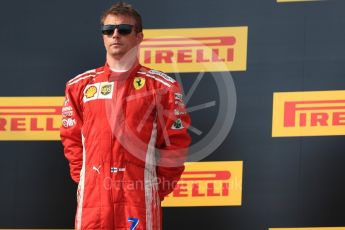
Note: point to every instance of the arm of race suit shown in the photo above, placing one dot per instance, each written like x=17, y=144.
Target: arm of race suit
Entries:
x=172, y=138
x=70, y=132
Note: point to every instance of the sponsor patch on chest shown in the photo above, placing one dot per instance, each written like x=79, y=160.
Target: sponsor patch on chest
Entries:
x=100, y=90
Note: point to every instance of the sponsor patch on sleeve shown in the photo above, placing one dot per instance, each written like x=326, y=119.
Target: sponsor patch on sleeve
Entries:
x=177, y=124
x=179, y=97
x=163, y=75
x=68, y=122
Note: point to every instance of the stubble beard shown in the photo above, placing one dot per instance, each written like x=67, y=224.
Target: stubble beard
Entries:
x=116, y=53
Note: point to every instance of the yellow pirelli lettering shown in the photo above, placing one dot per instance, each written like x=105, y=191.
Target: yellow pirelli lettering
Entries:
x=30, y=118
x=195, y=49
x=208, y=184
x=315, y=113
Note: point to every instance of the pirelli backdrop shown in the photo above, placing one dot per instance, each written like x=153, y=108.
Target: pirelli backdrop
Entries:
x=264, y=82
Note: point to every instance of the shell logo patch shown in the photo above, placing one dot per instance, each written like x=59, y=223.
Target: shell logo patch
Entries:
x=90, y=92
x=138, y=83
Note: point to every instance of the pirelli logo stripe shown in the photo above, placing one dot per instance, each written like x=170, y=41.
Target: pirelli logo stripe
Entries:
x=30, y=110
x=189, y=42
x=30, y=118
x=313, y=113
x=208, y=184
x=189, y=50
x=292, y=107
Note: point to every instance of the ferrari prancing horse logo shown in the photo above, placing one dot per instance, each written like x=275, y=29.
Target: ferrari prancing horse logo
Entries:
x=139, y=83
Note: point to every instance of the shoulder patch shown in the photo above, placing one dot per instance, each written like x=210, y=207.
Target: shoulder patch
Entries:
x=163, y=75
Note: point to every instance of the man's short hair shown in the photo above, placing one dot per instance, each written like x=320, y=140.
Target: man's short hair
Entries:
x=122, y=8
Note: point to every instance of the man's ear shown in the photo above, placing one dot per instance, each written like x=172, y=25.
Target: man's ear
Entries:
x=140, y=37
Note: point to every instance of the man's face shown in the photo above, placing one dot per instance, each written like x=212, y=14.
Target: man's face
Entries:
x=118, y=45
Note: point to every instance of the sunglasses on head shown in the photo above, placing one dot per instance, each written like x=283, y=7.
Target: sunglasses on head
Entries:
x=122, y=29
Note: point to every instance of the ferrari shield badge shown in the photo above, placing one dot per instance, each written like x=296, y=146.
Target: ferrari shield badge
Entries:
x=139, y=83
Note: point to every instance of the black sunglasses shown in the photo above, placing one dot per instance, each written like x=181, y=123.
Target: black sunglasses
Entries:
x=123, y=29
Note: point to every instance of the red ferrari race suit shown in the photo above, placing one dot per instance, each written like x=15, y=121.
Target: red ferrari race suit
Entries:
x=111, y=129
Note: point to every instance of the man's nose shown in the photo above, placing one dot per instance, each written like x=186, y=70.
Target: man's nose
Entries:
x=116, y=33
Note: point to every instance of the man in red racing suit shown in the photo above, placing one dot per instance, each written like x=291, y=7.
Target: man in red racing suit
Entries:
x=113, y=123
